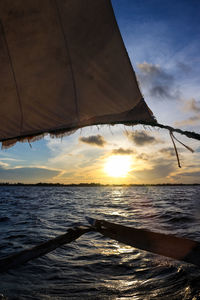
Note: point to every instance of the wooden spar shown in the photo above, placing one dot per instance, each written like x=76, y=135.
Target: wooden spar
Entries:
x=167, y=245
x=24, y=256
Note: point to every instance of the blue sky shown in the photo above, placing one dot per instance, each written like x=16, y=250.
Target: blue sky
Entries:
x=163, y=42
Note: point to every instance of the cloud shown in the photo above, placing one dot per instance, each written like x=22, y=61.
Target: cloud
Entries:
x=159, y=171
x=3, y=165
x=194, y=120
x=95, y=140
x=143, y=156
x=141, y=138
x=195, y=174
x=11, y=159
x=122, y=151
x=160, y=91
x=25, y=174
x=183, y=67
x=192, y=105
x=168, y=151
x=154, y=70
x=159, y=83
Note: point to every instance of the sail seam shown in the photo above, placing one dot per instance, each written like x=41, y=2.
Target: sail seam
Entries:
x=69, y=57
x=14, y=76
x=127, y=55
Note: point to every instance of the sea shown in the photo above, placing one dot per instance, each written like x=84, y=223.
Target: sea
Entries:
x=93, y=266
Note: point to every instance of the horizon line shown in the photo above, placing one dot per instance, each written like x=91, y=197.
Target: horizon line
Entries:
x=95, y=184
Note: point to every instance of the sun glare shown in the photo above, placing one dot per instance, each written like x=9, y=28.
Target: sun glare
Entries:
x=118, y=165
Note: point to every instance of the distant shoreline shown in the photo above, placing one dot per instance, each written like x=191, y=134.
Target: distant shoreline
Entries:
x=43, y=184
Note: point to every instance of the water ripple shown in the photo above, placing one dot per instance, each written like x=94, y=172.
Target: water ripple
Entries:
x=94, y=267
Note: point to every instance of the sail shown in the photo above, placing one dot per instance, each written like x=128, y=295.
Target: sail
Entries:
x=63, y=66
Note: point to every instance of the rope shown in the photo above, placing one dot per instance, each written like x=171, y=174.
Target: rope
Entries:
x=187, y=147
x=189, y=134
x=176, y=151
x=6, y=143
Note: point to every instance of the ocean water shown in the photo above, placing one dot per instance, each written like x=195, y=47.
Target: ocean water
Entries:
x=95, y=267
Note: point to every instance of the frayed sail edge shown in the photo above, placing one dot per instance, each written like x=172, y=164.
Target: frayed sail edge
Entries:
x=59, y=133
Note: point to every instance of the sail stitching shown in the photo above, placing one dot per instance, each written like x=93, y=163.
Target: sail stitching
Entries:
x=69, y=57
x=14, y=76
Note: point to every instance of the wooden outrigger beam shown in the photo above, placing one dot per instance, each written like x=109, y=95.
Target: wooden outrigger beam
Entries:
x=18, y=259
x=163, y=244
x=166, y=245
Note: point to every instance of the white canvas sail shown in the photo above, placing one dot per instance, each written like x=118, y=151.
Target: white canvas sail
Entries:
x=63, y=65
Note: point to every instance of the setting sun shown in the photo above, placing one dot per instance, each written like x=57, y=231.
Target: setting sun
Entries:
x=118, y=165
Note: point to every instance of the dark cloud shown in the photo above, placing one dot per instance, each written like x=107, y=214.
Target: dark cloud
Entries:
x=122, y=151
x=159, y=83
x=143, y=156
x=193, y=166
x=160, y=91
x=160, y=171
x=195, y=174
x=187, y=177
x=95, y=140
x=141, y=138
x=27, y=174
x=194, y=120
x=192, y=105
x=183, y=67
x=169, y=151
x=155, y=71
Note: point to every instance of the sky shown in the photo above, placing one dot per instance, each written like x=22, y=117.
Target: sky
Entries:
x=162, y=39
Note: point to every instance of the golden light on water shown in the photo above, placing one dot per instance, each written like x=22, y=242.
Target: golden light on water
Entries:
x=118, y=165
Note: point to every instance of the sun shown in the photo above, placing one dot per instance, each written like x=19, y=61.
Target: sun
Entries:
x=118, y=165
